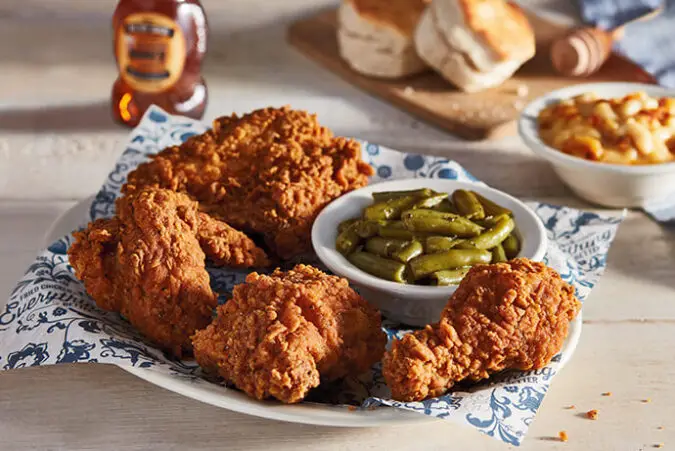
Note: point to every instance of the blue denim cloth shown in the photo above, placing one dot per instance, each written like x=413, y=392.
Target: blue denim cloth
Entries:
x=650, y=44
x=663, y=212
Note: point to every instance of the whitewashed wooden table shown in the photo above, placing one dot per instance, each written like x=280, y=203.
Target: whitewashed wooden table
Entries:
x=56, y=145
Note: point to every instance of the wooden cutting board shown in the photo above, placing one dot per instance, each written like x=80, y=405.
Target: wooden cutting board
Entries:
x=489, y=114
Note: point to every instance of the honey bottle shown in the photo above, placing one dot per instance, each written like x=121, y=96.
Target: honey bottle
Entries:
x=159, y=46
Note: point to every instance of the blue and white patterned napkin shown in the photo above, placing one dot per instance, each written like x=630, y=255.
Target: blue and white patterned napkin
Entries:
x=651, y=44
x=49, y=318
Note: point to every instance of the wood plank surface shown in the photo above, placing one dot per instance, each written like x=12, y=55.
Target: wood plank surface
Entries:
x=488, y=114
x=629, y=319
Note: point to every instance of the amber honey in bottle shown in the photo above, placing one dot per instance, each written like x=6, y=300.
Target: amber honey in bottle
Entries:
x=159, y=46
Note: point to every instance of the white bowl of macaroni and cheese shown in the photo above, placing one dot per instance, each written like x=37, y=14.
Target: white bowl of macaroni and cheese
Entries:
x=612, y=143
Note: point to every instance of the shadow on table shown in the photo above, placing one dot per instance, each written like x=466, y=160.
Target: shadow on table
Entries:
x=67, y=118
x=644, y=250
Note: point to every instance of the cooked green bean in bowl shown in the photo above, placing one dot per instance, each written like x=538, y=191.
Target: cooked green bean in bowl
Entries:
x=406, y=244
x=425, y=237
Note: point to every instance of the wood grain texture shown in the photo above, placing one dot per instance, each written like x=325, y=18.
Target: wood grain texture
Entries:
x=488, y=114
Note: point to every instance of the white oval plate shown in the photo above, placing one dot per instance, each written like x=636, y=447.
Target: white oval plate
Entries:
x=305, y=413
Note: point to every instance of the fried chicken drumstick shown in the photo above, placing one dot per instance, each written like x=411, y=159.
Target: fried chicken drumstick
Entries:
x=282, y=333
x=268, y=172
x=512, y=315
x=147, y=263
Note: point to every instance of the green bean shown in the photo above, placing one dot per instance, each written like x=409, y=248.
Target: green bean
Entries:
x=492, y=237
x=491, y=208
x=384, y=247
x=449, y=276
x=395, y=229
x=467, y=204
x=491, y=221
x=367, y=229
x=426, y=265
x=435, y=244
x=417, y=193
x=426, y=237
x=378, y=266
x=511, y=246
x=430, y=221
x=430, y=202
x=347, y=240
x=409, y=251
x=498, y=254
x=431, y=213
x=446, y=206
x=390, y=209
x=346, y=223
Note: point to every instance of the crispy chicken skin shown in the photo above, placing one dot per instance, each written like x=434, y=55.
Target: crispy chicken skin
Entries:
x=147, y=263
x=512, y=315
x=281, y=334
x=268, y=172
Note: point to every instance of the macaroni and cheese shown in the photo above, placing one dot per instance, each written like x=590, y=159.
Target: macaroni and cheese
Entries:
x=635, y=129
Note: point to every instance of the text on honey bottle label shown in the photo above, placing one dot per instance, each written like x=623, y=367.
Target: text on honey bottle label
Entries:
x=150, y=51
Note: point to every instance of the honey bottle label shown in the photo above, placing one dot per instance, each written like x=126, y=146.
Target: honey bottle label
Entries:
x=151, y=52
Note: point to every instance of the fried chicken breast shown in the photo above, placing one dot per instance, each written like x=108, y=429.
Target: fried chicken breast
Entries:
x=512, y=315
x=148, y=264
x=268, y=172
x=281, y=334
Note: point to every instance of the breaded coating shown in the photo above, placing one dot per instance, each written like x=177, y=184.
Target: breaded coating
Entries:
x=225, y=246
x=268, y=172
x=281, y=334
x=147, y=264
x=512, y=315
x=92, y=256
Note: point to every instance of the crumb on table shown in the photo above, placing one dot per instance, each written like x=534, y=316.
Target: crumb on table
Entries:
x=562, y=435
x=592, y=414
x=658, y=445
x=607, y=393
x=660, y=428
x=570, y=407
x=351, y=408
x=646, y=400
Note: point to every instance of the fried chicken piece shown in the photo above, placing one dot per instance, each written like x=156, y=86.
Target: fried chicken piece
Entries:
x=281, y=334
x=148, y=264
x=268, y=172
x=512, y=315
x=226, y=246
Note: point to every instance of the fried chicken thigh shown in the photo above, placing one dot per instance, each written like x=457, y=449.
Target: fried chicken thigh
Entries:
x=512, y=315
x=281, y=334
x=268, y=172
x=148, y=264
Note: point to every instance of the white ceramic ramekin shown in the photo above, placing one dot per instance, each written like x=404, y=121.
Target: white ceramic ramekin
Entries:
x=611, y=185
x=411, y=304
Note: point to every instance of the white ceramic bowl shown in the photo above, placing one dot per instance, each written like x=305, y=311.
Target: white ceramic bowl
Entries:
x=611, y=185
x=411, y=304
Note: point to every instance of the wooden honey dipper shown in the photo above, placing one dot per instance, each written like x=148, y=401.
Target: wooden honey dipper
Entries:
x=583, y=51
